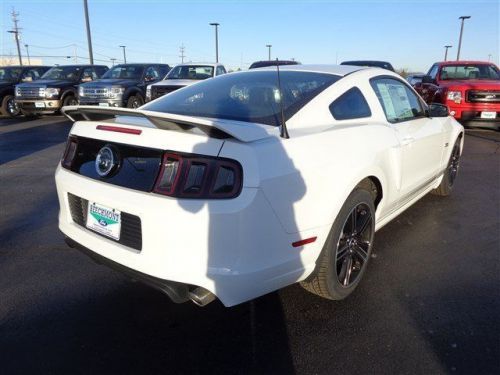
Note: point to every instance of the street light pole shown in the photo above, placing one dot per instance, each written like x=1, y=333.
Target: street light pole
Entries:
x=124, y=54
x=446, y=52
x=216, y=40
x=463, y=18
x=89, y=38
x=269, y=51
x=112, y=61
x=28, y=53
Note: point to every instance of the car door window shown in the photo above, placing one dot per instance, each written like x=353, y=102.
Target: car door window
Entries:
x=152, y=73
x=89, y=74
x=220, y=70
x=433, y=71
x=30, y=75
x=350, y=105
x=399, y=102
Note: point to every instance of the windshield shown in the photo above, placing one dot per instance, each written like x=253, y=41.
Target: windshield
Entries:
x=71, y=73
x=196, y=72
x=124, y=72
x=251, y=96
x=469, y=71
x=10, y=74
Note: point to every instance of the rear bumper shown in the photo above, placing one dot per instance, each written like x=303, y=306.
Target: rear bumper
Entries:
x=237, y=248
x=177, y=292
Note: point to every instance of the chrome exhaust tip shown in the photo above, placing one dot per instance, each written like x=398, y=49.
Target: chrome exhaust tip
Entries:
x=201, y=297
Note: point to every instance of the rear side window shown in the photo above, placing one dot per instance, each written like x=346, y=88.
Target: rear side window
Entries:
x=350, y=105
x=399, y=102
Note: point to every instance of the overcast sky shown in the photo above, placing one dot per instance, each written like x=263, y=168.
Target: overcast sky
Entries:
x=408, y=34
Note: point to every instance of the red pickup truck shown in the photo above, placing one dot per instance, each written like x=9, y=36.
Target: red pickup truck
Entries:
x=470, y=89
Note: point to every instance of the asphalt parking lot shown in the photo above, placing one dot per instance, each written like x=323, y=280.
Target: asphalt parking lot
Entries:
x=429, y=303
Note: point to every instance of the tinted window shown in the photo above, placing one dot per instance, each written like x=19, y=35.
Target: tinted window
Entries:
x=125, y=72
x=220, y=70
x=71, y=73
x=399, y=102
x=350, y=105
x=89, y=74
x=152, y=73
x=469, y=71
x=433, y=71
x=30, y=75
x=163, y=71
x=10, y=74
x=250, y=96
x=197, y=72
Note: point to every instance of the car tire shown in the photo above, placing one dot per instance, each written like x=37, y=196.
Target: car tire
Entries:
x=135, y=101
x=450, y=174
x=9, y=106
x=347, y=250
x=69, y=100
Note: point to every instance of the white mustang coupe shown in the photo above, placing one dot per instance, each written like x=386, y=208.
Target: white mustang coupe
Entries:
x=246, y=183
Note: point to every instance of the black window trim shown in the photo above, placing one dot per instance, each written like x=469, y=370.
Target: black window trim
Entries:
x=353, y=118
x=423, y=105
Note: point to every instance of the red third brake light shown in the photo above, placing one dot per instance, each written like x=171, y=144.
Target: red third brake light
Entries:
x=200, y=177
x=119, y=129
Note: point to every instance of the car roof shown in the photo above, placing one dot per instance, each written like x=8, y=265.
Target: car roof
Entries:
x=200, y=63
x=140, y=64
x=461, y=62
x=340, y=70
x=27, y=66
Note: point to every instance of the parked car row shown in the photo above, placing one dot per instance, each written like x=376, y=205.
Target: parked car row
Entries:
x=470, y=89
x=35, y=90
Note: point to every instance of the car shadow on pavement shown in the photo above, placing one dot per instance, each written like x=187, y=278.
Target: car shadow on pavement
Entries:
x=130, y=329
x=20, y=143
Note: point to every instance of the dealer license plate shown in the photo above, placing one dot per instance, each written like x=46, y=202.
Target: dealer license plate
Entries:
x=104, y=220
x=488, y=115
x=39, y=105
x=103, y=104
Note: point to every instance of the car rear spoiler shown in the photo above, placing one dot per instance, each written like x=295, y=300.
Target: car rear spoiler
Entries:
x=215, y=128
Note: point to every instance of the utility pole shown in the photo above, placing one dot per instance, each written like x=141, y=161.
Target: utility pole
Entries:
x=446, y=52
x=16, y=34
x=463, y=18
x=489, y=57
x=124, y=54
x=216, y=40
x=89, y=38
x=269, y=51
x=28, y=53
x=182, y=49
x=112, y=61
x=75, y=54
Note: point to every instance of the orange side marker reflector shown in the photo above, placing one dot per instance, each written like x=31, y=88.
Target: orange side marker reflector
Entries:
x=304, y=242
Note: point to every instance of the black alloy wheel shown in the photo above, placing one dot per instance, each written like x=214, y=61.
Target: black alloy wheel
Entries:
x=13, y=109
x=453, y=164
x=354, y=245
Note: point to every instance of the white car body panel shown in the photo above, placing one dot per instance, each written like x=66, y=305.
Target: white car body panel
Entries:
x=292, y=189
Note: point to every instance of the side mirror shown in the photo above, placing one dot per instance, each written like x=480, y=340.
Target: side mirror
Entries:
x=428, y=79
x=438, y=110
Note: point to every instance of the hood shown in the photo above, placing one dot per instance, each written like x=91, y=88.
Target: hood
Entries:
x=107, y=82
x=177, y=82
x=47, y=82
x=472, y=84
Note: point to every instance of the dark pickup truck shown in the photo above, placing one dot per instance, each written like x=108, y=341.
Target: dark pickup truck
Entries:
x=122, y=86
x=10, y=76
x=56, y=88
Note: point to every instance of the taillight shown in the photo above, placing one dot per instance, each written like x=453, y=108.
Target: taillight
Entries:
x=200, y=177
x=69, y=152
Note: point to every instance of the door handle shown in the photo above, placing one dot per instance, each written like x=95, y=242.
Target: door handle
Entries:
x=407, y=140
